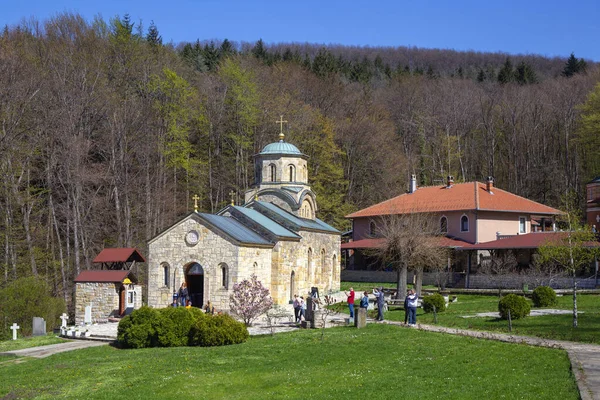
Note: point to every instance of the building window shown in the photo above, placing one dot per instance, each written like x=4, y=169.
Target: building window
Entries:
x=224, y=276
x=273, y=174
x=464, y=224
x=292, y=173
x=522, y=225
x=166, y=274
x=444, y=225
x=372, y=228
x=322, y=262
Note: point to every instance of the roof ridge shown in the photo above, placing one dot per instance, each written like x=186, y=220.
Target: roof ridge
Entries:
x=524, y=198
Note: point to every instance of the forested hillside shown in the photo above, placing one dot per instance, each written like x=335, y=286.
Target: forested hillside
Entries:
x=106, y=132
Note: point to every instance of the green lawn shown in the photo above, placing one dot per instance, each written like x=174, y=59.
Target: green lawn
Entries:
x=382, y=361
x=550, y=326
x=24, y=343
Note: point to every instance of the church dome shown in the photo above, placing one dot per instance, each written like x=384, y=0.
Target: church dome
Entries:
x=281, y=147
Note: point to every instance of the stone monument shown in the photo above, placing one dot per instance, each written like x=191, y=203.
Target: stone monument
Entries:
x=39, y=326
x=360, y=320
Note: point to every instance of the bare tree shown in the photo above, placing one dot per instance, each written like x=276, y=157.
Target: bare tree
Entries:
x=409, y=241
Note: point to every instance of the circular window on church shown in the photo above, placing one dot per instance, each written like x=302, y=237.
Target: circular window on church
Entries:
x=192, y=237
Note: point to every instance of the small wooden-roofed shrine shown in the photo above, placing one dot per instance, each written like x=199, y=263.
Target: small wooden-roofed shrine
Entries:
x=119, y=258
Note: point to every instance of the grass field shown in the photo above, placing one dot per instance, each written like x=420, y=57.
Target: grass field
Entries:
x=558, y=327
x=381, y=361
x=24, y=343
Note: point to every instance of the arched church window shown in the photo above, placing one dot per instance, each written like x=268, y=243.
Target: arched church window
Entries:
x=334, y=266
x=224, y=276
x=304, y=173
x=444, y=225
x=464, y=224
x=322, y=262
x=292, y=173
x=309, y=264
x=166, y=274
x=273, y=172
x=255, y=269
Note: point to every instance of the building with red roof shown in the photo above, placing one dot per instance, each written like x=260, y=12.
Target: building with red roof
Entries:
x=470, y=214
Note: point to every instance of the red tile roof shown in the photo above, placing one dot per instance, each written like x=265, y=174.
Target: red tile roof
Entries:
x=459, y=197
x=111, y=255
x=102, y=276
x=444, y=241
x=527, y=241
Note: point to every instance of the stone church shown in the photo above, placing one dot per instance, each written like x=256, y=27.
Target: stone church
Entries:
x=275, y=235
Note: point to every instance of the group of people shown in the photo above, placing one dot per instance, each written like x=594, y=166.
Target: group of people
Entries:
x=299, y=308
x=410, y=304
x=182, y=299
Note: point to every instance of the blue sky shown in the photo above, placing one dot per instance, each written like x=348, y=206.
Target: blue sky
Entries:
x=551, y=28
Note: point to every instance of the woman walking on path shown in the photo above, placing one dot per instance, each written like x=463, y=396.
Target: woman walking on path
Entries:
x=350, y=302
x=297, y=309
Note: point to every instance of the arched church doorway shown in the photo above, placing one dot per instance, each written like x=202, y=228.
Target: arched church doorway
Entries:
x=194, y=278
x=292, y=285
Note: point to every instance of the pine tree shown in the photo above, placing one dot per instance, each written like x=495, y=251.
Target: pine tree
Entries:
x=506, y=74
x=259, y=51
x=153, y=37
x=226, y=49
x=524, y=74
x=574, y=66
x=480, y=76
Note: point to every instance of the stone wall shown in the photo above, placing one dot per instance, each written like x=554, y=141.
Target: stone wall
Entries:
x=104, y=299
x=212, y=251
x=273, y=267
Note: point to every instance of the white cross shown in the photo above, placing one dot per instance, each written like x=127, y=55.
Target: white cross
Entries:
x=64, y=318
x=14, y=328
x=598, y=218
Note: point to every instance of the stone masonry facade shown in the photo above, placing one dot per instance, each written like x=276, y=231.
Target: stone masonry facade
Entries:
x=104, y=299
x=272, y=265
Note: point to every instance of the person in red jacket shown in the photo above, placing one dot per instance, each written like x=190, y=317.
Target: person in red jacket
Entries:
x=350, y=301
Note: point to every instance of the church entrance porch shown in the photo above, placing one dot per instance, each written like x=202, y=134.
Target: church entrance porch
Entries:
x=194, y=278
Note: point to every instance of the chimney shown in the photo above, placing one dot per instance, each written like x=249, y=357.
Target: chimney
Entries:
x=413, y=184
x=489, y=185
x=450, y=181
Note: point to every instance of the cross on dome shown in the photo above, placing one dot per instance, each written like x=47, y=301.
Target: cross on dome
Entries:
x=281, y=122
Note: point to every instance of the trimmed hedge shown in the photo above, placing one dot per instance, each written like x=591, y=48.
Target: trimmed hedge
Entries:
x=218, y=330
x=518, y=305
x=544, y=296
x=432, y=300
x=178, y=326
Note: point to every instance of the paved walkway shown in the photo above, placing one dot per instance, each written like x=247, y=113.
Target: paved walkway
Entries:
x=45, y=351
x=585, y=357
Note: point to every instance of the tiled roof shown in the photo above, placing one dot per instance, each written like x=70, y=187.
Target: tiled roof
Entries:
x=234, y=229
x=459, y=197
x=102, y=276
x=527, y=241
x=443, y=241
x=111, y=255
x=266, y=222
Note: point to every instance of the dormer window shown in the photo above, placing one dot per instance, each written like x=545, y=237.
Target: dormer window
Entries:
x=464, y=224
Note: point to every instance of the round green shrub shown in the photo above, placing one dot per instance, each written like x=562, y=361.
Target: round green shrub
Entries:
x=140, y=328
x=432, y=300
x=218, y=330
x=175, y=325
x=544, y=296
x=518, y=305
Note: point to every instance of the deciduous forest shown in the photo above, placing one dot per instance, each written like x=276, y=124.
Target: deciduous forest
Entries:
x=107, y=132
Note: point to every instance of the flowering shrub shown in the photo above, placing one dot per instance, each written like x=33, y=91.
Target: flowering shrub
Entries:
x=249, y=300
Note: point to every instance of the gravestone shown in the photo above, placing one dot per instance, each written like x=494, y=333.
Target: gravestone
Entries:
x=317, y=321
x=360, y=320
x=39, y=326
x=64, y=318
x=87, y=319
x=14, y=328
